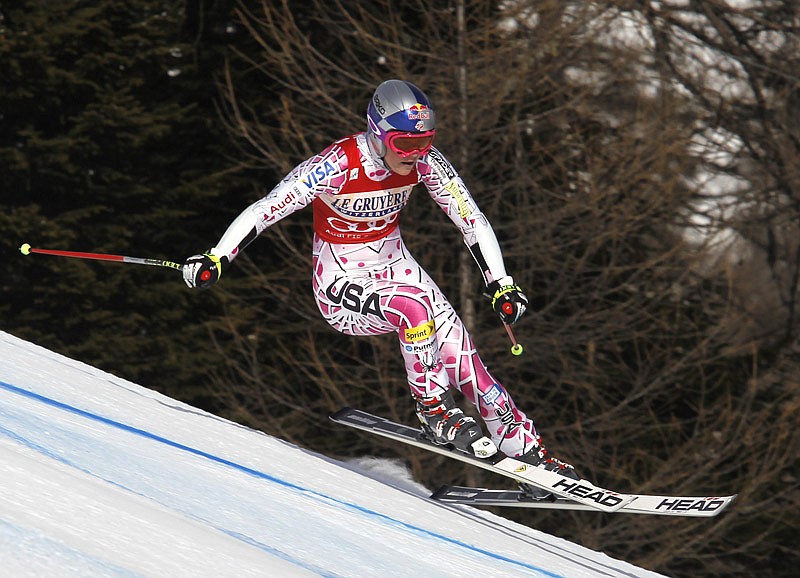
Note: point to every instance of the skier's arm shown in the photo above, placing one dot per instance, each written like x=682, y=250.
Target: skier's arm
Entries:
x=451, y=194
x=293, y=193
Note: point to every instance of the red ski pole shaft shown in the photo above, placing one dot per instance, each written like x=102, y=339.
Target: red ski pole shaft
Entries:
x=26, y=249
x=516, y=348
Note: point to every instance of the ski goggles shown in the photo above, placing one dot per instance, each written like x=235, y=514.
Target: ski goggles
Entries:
x=405, y=144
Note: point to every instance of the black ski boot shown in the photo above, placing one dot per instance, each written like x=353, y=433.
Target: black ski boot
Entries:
x=445, y=424
x=537, y=456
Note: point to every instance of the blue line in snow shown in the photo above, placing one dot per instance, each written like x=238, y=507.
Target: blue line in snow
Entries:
x=265, y=476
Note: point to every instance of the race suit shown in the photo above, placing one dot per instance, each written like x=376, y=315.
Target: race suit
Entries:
x=367, y=283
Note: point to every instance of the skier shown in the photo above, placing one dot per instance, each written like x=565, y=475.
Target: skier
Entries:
x=366, y=282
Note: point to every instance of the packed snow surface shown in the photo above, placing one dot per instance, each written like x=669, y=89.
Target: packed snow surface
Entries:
x=102, y=477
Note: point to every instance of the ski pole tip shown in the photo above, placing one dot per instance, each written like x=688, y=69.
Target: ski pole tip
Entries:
x=25, y=249
x=517, y=349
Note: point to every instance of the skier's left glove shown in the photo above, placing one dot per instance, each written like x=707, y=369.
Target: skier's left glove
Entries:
x=202, y=271
x=508, y=300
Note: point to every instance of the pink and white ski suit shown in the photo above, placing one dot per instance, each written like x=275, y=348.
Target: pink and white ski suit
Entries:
x=367, y=283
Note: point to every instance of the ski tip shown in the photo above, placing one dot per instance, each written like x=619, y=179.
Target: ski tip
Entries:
x=337, y=415
x=727, y=501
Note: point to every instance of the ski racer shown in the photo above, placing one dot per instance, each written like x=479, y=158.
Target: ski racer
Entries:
x=366, y=282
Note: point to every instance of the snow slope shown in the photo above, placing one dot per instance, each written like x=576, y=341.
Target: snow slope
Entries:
x=102, y=477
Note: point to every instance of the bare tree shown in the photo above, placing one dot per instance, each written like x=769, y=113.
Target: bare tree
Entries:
x=591, y=144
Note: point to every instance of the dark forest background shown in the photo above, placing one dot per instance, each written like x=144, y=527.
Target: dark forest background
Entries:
x=638, y=161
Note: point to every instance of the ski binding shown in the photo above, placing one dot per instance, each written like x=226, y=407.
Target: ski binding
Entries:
x=580, y=491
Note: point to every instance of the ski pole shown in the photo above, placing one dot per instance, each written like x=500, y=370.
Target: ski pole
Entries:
x=516, y=348
x=26, y=249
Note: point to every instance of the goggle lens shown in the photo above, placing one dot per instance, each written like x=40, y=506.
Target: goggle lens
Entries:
x=405, y=143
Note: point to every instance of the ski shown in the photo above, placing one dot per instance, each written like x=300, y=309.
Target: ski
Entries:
x=687, y=506
x=578, y=491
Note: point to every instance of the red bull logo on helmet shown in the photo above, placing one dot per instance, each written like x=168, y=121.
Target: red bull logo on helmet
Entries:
x=418, y=112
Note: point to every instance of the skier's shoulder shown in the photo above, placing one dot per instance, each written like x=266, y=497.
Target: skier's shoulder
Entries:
x=325, y=168
x=436, y=163
x=347, y=146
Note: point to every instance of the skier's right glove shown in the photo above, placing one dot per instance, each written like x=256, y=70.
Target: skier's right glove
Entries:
x=202, y=271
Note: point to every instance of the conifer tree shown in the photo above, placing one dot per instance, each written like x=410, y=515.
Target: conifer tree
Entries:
x=111, y=143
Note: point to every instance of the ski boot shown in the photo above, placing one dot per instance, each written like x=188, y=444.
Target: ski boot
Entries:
x=445, y=424
x=537, y=456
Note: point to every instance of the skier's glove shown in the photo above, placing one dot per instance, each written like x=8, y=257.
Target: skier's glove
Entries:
x=202, y=271
x=508, y=300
